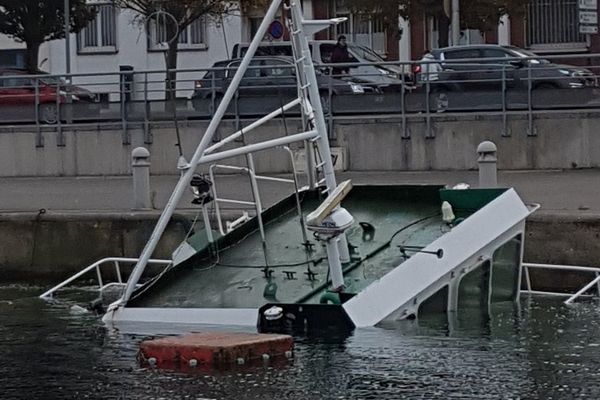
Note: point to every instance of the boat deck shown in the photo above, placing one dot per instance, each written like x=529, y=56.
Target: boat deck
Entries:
x=234, y=277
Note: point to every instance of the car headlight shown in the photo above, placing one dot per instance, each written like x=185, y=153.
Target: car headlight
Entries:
x=383, y=71
x=568, y=72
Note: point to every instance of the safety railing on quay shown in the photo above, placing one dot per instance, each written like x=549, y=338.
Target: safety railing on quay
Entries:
x=425, y=89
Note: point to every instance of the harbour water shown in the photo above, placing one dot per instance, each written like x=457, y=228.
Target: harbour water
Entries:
x=538, y=350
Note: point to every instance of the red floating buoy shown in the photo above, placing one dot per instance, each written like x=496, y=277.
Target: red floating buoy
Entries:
x=214, y=349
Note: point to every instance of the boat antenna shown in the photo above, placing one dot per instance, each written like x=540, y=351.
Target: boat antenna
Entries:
x=162, y=22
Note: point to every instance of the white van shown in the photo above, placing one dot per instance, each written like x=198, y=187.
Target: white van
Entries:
x=386, y=77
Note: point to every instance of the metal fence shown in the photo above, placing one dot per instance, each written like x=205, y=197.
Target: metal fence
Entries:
x=425, y=89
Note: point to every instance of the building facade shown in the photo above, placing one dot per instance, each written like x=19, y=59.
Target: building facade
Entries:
x=547, y=27
x=119, y=39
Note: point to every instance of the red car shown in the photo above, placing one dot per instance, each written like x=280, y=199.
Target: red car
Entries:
x=19, y=88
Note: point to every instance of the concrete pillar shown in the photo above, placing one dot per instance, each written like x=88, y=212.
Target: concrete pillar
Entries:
x=504, y=31
x=307, y=8
x=488, y=164
x=404, y=51
x=140, y=168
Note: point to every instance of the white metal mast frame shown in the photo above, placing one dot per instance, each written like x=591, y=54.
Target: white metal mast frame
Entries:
x=306, y=71
x=311, y=105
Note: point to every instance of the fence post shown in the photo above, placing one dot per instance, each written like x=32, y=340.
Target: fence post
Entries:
x=39, y=138
x=140, y=168
x=488, y=164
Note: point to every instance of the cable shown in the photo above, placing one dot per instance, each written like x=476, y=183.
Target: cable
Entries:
x=365, y=258
x=189, y=232
x=412, y=224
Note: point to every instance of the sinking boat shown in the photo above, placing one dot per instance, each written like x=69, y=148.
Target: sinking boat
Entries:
x=327, y=255
x=405, y=259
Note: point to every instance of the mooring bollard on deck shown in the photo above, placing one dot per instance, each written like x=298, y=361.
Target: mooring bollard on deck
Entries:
x=488, y=164
x=140, y=168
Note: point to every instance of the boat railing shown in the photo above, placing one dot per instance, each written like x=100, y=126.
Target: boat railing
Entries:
x=571, y=296
x=97, y=266
x=256, y=202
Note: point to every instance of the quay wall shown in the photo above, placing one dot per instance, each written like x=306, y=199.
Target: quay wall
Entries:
x=51, y=247
x=561, y=140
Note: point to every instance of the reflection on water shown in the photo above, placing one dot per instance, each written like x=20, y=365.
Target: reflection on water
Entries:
x=542, y=350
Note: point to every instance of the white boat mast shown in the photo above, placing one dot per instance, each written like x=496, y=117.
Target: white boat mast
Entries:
x=316, y=132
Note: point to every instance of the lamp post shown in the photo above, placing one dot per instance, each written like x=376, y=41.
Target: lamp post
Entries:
x=67, y=38
x=455, y=22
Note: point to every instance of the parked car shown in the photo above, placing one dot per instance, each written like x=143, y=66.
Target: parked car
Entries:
x=19, y=88
x=484, y=68
x=484, y=65
x=268, y=78
x=385, y=77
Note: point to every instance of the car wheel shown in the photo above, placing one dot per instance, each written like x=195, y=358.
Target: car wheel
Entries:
x=440, y=101
x=48, y=114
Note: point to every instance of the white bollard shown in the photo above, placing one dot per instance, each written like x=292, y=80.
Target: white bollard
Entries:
x=488, y=164
x=140, y=168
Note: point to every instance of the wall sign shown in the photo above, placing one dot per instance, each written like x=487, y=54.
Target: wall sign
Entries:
x=588, y=4
x=588, y=16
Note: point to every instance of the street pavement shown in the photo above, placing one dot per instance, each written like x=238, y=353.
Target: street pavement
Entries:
x=571, y=191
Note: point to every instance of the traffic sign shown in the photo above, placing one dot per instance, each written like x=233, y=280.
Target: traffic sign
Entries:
x=588, y=29
x=276, y=29
x=588, y=4
x=588, y=17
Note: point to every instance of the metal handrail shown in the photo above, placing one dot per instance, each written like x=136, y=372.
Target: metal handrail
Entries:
x=96, y=266
x=131, y=95
x=254, y=178
x=571, y=296
x=256, y=194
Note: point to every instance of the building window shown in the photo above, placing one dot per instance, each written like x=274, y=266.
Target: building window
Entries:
x=100, y=35
x=554, y=24
x=193, y=37
x=362, y=29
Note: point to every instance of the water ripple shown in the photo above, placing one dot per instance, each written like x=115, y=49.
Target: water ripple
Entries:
x=540, y=350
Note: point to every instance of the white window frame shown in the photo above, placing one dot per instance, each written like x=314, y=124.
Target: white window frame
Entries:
x=152, y=33
x=82, y=48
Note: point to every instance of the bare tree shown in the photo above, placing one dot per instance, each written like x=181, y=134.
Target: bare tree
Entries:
x=34, y=22
x=180, y=14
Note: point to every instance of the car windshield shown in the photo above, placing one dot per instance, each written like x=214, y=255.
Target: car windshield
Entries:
x=365, y=53
x=526, y=54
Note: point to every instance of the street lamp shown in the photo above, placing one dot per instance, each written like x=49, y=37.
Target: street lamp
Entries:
x=455, y=22
x=67, y=37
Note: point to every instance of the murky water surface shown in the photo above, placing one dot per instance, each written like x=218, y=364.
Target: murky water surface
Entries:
x=542, y=350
